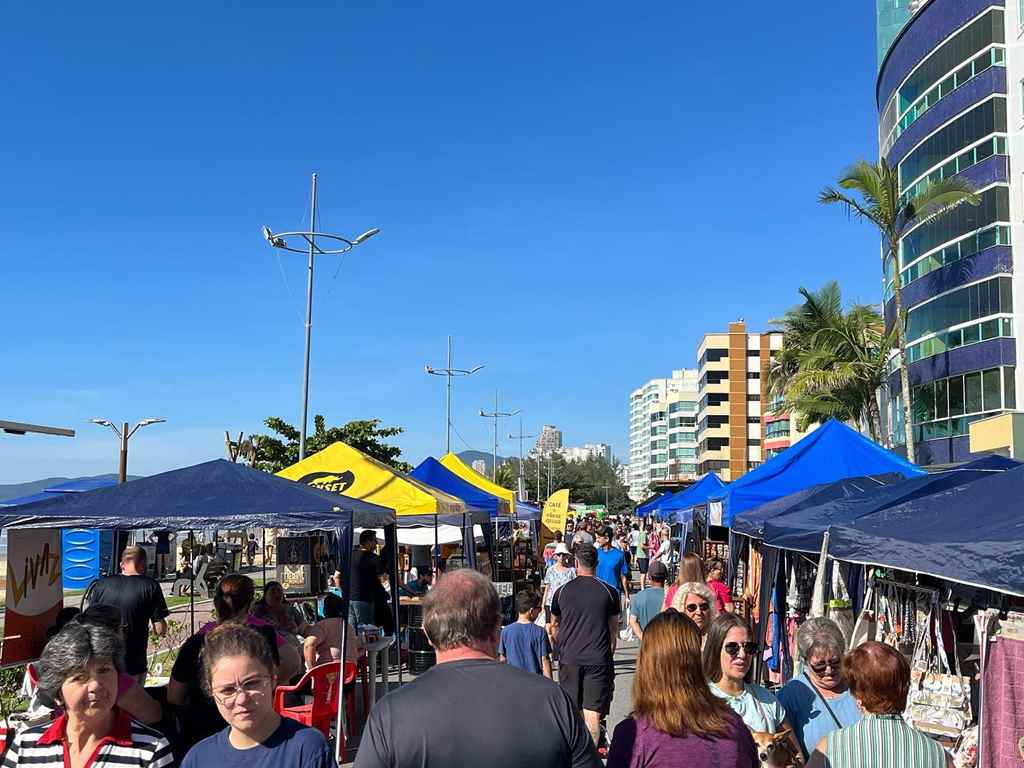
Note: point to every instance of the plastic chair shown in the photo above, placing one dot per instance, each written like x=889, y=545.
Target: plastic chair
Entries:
x=321, y=712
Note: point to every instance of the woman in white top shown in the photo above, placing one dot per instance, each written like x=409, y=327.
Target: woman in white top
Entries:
x=728, y=654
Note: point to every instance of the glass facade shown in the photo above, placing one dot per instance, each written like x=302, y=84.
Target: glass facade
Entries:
x=891, y=16
x=995, y=145
x=989, y=297
x=946, y=407
x=994, y=207
x=961, y=337
x=774, y=430
x=961, y=249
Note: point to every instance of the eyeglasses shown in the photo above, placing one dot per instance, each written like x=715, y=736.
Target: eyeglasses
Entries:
x=253, y=688
x=694, y=607
x=733, y=649
x=819, y=669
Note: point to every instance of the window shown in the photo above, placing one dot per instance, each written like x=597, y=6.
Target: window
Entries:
x=753, y=442
x=753, y=398
x=946, y=407
x=753, y=419
x=954, y=224
x=753, y=353
x=683, y=453
x=713, y=356
x=753, y=375
x=682, y=406
x=988, y=297
x=961, y=249
x=994, y=145
x=990, y=329
x=988, y=117
x=774, y=430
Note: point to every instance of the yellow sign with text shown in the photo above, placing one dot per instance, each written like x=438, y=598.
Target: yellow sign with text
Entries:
x=553, y=516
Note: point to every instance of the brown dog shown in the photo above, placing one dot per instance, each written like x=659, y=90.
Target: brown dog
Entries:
x=774, y=749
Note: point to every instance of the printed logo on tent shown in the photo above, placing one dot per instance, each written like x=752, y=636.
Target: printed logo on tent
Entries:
x=335, y=482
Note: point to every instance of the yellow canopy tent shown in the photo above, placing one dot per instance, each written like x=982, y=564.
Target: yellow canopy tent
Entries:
x=454, y=464
x=343, y=469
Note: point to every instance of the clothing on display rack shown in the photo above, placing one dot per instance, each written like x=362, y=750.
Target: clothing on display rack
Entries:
x=1002, y=726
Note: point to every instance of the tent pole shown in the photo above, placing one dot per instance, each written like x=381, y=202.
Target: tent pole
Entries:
x=192, y=581
x=264, y=558
x=437, y=552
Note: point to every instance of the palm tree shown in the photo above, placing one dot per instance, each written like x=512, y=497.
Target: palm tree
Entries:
x=878, y=188
x=832, y=362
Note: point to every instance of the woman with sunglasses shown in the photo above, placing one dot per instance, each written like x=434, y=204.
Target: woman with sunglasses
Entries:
x=240, y=674
x=676, y=720
x=728, y=655
x=818, y=700
x=696, y=601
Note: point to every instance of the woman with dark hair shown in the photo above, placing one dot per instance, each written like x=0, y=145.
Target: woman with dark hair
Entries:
x=198, y=715
x=691, y=571
x=239, y=673
x=676, y=720
x=716, y=581
x=728, y=654
x=879, y=679
x=274, y=609
x=79, y=672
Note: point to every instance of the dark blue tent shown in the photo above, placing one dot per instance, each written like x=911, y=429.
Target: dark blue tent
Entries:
x=803, y=530
x=435, y=474
x=829, y=453
x=652, y=504
x=971, y=533
x=527, y=511
x=678, y=507
x=751, y=523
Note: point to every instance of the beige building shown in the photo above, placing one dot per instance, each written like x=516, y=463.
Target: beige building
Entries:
x=732, y=387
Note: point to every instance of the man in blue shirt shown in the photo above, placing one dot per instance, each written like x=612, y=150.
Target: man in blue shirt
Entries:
x=646, y=604
x=611, y=564
x=524, y=644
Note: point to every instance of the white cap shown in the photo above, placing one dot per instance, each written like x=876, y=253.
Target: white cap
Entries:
x=561, y=549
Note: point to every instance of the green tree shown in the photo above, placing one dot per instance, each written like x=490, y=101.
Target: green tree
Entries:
x=832, y=362
x=276, y=453
x=877, y=199
x=586, y=480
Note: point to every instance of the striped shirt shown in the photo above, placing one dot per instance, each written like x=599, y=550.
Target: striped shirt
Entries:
x=129, y=745
x=882, y=741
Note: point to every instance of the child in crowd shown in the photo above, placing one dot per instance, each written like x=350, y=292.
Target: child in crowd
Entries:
x=524, y=644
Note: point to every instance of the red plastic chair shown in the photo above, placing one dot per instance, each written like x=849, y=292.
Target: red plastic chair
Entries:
x=321, y=712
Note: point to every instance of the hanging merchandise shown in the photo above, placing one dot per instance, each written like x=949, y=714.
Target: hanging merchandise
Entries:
x=840, y=607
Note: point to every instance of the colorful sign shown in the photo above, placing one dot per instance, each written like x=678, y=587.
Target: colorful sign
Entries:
x=35, y=592
x=553, y=517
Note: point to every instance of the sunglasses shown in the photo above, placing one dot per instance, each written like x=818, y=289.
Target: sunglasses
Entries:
x=733, y=649
x=694, y=607
x=819, y=669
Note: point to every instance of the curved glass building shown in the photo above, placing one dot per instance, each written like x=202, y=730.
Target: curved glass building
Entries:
x=949, y=93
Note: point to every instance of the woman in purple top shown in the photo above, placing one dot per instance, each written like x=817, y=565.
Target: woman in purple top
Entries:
x=676, y=718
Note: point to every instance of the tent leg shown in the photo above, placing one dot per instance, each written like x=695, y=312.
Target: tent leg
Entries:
x=344, y=536
x=264, y=558
x=437, y=552
x=192, y=581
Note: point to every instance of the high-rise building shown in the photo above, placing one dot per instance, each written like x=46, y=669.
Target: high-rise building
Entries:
x=949, y=89
x=480, y=467
x=550, y=440
x=733, y=370
x=650, y=457
x=584, y=452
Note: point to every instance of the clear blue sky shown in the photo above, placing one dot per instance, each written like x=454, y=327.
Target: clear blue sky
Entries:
x=576, y=191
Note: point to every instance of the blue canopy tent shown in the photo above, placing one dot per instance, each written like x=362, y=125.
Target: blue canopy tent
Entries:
x=678, y=507
x=832, y=452
x=971, y=534
x=802, y=530
x=652, y=504
x=751, y=523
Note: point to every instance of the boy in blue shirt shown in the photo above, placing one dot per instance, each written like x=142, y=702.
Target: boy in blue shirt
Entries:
x=524, y=644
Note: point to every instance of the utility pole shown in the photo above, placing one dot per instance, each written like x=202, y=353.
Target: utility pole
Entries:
x=448, y=373
x=606, y=510
x=497, y=414
x=522, y=478
x=123, y=436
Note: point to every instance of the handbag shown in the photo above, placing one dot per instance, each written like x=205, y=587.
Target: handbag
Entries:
x=939, y=702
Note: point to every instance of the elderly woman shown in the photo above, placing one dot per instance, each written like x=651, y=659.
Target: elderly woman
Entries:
x=818, y=701
x=79, y=670
x=879, y=680
x=696, y=600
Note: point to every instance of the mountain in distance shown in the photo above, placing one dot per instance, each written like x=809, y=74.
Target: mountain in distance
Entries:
x=468, y=457
x=15, y=490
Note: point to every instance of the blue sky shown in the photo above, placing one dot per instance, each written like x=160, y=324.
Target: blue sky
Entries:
x=575, y=191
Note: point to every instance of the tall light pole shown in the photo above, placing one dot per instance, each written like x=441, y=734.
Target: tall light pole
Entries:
x=497, y=414
x=521, y=437
x=448, y=373
x=337, y=246
x=124, y=434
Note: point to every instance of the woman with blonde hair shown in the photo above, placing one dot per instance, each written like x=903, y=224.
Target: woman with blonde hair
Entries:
x=691, y=570
x=696, y=601
x=676, y=719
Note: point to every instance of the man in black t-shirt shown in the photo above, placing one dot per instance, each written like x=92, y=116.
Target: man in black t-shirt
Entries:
x=585, y=617
x=476, y=698
x=141, y=601
x=366, y=571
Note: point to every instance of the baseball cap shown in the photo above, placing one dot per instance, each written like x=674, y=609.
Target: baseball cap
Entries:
x=561, y=549
x=657, y=570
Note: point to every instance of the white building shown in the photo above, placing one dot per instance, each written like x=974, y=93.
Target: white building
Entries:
x=550, y=440
x=653, y=408
x=590, y=450
x=480, y=467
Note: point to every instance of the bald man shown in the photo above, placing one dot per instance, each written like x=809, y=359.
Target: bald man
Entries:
x=477, y=693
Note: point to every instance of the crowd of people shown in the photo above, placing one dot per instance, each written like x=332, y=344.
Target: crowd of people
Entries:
x=694, y=701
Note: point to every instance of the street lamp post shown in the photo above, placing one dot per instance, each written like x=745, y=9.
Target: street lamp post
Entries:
x=338, y=245
x=448, y=373
x=522, y=478
x=497, y=414
x=123, y=435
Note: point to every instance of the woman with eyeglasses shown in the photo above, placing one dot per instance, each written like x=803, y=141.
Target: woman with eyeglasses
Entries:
x=676, y=720
x=239, y=673
x=728, y=655
x=818, y=700
x=696, y=601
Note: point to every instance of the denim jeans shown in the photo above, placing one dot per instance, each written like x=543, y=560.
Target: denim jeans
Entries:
x=360, y=612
